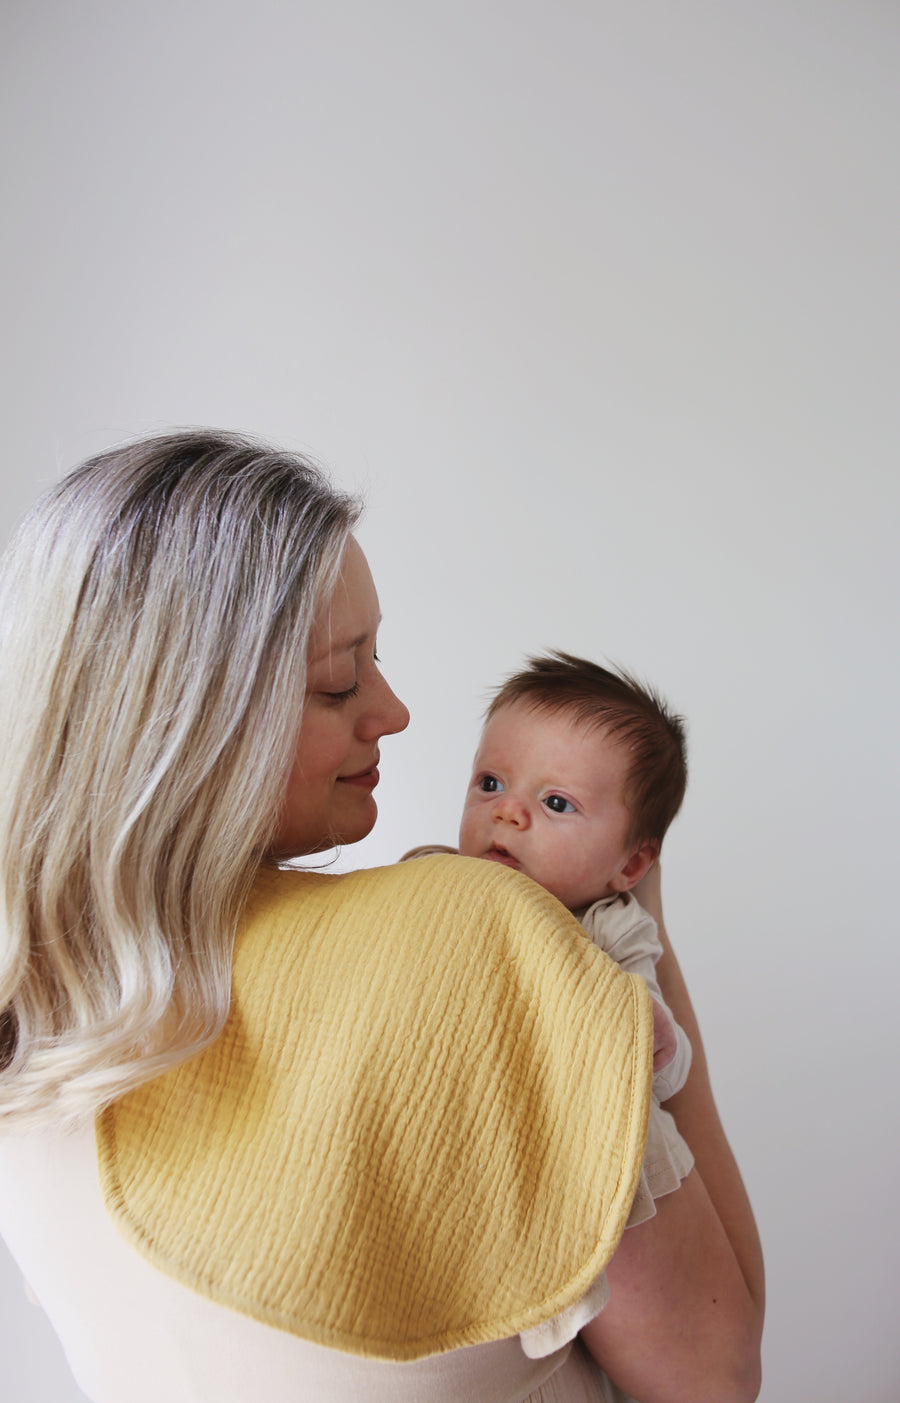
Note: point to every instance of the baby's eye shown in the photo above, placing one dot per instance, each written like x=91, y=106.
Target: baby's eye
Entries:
x=489, y=784
x=558, y=805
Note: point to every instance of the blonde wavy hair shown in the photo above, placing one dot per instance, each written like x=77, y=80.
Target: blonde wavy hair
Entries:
x=155, y=609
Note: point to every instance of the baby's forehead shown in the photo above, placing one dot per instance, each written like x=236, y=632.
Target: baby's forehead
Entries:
x=547, y=719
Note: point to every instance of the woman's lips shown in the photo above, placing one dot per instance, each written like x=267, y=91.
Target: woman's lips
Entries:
x=366, y=779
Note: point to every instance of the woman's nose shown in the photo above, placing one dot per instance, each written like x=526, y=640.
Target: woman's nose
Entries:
x=399, y=715
x=387, y=716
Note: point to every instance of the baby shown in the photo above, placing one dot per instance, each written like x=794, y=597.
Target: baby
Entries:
x=579, y=773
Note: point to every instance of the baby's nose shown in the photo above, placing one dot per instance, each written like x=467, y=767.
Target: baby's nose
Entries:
x=510, y=809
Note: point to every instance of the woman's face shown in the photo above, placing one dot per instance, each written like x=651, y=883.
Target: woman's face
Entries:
x=349, y=707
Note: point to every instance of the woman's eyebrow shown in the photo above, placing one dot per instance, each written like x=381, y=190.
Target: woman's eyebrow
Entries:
x=349, y=646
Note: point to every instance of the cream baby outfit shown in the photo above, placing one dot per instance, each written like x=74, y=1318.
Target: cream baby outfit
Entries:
x=621, y=927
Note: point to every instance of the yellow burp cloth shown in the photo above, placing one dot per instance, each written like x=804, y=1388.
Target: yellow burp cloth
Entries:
x=422, y=1126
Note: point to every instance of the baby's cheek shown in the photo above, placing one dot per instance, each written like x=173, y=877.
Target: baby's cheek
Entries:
x=466, y=840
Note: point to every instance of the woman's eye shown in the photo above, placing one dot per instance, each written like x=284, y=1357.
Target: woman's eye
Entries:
x=337, y=697
x=489, y=784
x=558, y=805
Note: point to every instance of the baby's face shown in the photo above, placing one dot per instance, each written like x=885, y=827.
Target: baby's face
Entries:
x=547, y=798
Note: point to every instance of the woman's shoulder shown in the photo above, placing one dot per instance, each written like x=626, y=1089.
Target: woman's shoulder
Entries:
x=441, y=893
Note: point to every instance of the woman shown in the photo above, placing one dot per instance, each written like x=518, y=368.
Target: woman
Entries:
x=282, y=1135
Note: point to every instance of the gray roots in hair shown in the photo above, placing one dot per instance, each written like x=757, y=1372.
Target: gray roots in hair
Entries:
x=155, y=609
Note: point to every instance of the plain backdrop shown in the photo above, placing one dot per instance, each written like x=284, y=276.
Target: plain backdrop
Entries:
x=598, y=305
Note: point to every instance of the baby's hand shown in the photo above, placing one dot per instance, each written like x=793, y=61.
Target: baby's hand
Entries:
x=664, y=1042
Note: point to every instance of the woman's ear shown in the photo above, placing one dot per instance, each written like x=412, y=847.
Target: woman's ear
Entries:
x=640, y=862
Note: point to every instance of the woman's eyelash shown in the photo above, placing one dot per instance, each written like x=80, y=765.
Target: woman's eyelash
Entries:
x=345, y=695
x=349, y=692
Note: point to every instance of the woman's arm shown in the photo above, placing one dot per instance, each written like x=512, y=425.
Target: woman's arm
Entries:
x=698, y=1120
x=685, y=1314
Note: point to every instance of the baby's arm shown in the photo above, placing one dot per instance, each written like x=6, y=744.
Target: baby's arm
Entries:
x=628, y=934
x=671, y=1045
x=665, y=1038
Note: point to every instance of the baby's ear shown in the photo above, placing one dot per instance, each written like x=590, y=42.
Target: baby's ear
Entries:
x=640, y=862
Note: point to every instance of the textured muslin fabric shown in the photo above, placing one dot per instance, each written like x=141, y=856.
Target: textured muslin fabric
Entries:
x=621, y=927
x=421, y=1128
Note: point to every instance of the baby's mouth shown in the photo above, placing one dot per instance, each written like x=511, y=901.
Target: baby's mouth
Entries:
x=497, y=853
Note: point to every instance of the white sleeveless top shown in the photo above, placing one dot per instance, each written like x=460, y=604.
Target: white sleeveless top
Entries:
x=133, y=1335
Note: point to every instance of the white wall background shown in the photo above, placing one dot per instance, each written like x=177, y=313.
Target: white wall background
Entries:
x=599, y=304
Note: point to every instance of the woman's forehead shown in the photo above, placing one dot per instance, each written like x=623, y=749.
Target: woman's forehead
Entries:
x=350, y=617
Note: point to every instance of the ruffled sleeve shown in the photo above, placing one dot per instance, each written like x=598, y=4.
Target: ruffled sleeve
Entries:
x=667, y=1160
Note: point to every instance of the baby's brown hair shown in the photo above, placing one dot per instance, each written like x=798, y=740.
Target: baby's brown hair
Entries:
x=634, y=714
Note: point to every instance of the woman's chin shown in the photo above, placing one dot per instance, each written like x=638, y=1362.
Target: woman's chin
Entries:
x=361, y=827
x=302, y=840
x=352, y=830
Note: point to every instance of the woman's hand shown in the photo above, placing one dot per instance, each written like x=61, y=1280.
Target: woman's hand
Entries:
x=685, y=1314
